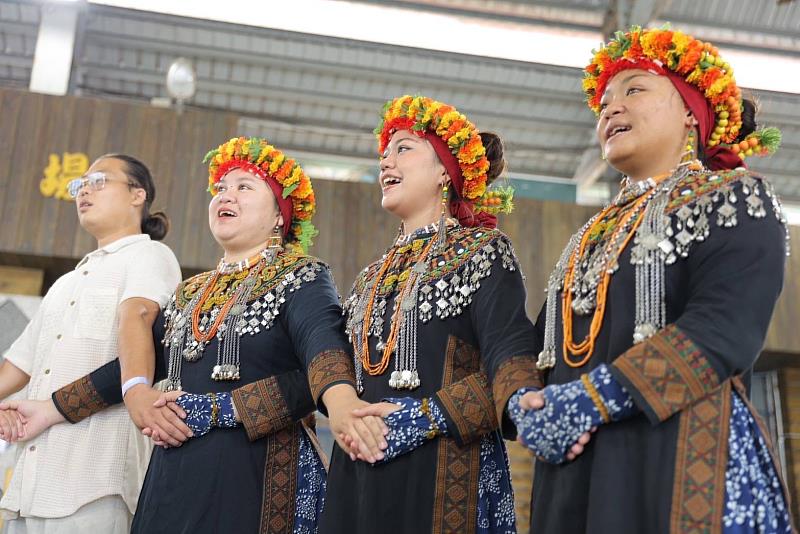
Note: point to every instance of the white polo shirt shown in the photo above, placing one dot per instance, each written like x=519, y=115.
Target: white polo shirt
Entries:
x=74, y=332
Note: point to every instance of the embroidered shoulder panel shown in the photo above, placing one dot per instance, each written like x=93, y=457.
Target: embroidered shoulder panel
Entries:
x=285, y=269
x=694, y=201
x=288, y=272
x=451, y=279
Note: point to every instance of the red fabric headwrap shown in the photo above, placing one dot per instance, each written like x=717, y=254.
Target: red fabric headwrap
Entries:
x=460, y=208
x=717, y=157
x=284, y=204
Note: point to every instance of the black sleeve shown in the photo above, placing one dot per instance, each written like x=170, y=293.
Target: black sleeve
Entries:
x=315, y=324
x=506, y=337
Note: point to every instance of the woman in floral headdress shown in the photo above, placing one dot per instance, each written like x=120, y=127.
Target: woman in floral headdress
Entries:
x=444, y=303
x=237, y=342
x=658, y=309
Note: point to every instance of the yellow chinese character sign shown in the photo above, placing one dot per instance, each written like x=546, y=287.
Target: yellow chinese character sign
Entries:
x=60, y=170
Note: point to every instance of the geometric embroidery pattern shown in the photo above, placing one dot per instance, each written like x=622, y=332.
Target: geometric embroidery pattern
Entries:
x=261, y=407
x=669, y=371
x=698, y=496
x=280, y=481
x=78, y=400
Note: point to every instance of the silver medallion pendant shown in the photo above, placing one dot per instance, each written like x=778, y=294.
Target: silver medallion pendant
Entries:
x=225, y=372
x=194, y=352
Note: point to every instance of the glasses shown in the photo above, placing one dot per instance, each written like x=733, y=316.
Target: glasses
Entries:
x=96, y=181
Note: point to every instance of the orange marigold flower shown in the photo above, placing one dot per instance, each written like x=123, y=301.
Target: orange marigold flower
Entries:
x=284, y=171
x=303, y=189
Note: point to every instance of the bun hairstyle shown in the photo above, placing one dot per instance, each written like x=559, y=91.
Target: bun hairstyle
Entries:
x=156, y=225
x=494, y=153
x=749, y=111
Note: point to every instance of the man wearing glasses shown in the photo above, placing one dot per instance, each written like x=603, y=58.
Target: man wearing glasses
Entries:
x=85, y=477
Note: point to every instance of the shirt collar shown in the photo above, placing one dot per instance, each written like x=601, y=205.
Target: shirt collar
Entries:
x=115, y=246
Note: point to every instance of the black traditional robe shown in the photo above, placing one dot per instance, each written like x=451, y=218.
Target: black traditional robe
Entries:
x=241, y=479
x=475, y=350
x=664, y=469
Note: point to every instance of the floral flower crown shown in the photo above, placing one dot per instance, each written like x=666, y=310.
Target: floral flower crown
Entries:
x=421, y=115
x=256, y=155
x=697, y=62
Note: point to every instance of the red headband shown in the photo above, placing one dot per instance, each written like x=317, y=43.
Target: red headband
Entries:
x=284, y=204
x=459, y=207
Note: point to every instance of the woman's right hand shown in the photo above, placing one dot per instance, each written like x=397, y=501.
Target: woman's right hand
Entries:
x=357, y=436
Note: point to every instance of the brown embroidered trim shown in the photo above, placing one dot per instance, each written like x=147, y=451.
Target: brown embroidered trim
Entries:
x=669, y=371
x=328, y=367
x=470, y=406
x=78, y=400
x=455, y=508
x=456, y=496
x=698, y=495
x=280, y=481
x=514, y=373
x=261, y=408
x=460, y=360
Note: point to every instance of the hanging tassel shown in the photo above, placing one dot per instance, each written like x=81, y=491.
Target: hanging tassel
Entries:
x=441, y=236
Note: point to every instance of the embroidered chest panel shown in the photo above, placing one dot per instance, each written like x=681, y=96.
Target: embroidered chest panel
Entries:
x=288, y=272
x=698, y=198
x=451, y=278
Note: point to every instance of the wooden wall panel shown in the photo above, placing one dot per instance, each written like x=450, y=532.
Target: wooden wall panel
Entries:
x=21, y=280
x=789, y=383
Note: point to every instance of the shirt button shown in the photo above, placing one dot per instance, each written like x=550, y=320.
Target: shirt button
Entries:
x=47, y=371
x=32, y=448
x=72, y=303
x=58, y=336
x=85, y=273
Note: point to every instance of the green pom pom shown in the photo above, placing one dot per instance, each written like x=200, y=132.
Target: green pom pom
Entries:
x=770, y=139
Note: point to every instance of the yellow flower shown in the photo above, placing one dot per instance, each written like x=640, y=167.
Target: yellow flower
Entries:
x=718, y=86
x=681, y=42
x=294, y=177
x=430, y=111
x=228, y=148
x=695, y=75
x=446, y=120
x=265, y=150
x=277, y=161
